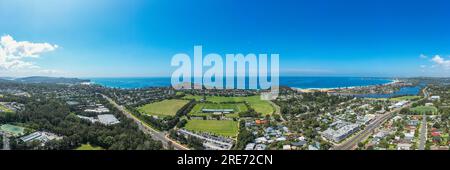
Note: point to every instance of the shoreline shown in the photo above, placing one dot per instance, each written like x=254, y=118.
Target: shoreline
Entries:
x=327, y=89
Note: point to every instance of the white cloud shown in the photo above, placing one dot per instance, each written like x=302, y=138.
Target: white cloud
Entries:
x=51, y=72
x=422, y=56
x=438, y=60
x=13, y=53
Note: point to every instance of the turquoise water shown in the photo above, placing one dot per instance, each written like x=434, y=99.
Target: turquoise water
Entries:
x=296, y=82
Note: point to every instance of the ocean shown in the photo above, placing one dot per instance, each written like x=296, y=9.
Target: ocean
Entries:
x=295, y=82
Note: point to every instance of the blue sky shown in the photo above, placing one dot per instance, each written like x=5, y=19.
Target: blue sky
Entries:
x=106, y=38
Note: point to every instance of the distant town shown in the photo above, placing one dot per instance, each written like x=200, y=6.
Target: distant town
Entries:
x=44, y=113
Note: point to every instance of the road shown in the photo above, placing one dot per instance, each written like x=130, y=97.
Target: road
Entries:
x=353, y=141
x=5, y=142
x=423, y=133
x=423, y=129
x=157, y=135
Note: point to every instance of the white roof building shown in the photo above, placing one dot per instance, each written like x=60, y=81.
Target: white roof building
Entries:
x=40, y=136
x=250, y=146
x=286, y=147
x=260, y=147
x=99, y=109
x=108, y=119
x=404, y=146
x=261, y=140
x=435, y=97
x=310, y=147
x=281, y=139
x=341, y=133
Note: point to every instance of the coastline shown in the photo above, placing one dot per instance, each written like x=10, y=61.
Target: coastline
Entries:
x=329, y=89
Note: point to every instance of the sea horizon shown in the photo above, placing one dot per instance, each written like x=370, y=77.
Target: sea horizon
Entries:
x=301, y=82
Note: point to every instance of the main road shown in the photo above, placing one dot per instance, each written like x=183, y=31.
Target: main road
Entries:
x=423, y=133
x=352, y=142
x=157, y=135
x=423, y=129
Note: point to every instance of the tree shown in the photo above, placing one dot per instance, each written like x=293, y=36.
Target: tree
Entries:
x=360, y=144
x=244, y=137
x=181, y=123
x=404, y=111
x=195, y=143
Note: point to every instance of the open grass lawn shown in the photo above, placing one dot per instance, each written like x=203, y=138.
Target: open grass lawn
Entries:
x=89, y=147
x=12, y=129
x=238, y=107
x=197, y=98
x=163, y=108
x=4, y=109
x=424, y=109
x=397, y=99
x=405, y=98
x=226, y=128
x=260, y=106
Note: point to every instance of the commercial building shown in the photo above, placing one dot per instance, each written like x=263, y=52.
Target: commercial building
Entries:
x=341, y=133
x=99, y=109
x=108, y=119
x=40, y=136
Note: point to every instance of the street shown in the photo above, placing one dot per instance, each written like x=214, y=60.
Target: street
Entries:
x=355, y=139
x=423, y=133
x=5, y=142
x=423, y=130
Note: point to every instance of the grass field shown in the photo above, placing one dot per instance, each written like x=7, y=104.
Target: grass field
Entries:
x=424, y=109
x=238, y=107
x=260, y=106
x=4, y=109
x=397, y=99
x=163, y=108
x=12, y=129
x=89, y=147
x=405, y=98
x=227, y=128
